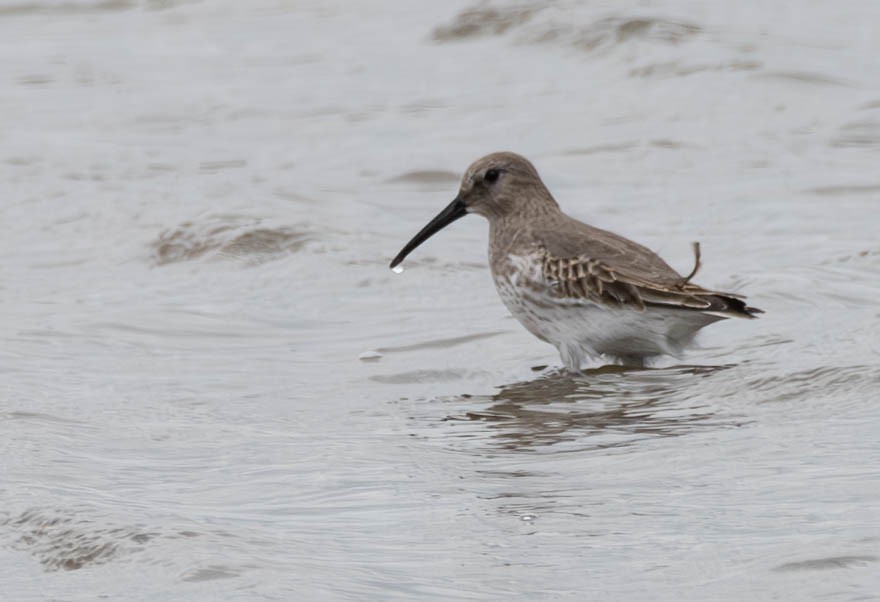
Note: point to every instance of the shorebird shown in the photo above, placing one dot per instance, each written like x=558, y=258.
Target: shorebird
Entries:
x=592, y=294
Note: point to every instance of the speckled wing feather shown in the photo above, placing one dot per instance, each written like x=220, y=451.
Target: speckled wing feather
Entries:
x=583, y=277
x=608, y=269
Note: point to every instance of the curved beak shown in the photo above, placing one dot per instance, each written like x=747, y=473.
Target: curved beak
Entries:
x=455, y=210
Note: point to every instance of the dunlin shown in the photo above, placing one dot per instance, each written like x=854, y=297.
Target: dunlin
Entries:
x=590, y=293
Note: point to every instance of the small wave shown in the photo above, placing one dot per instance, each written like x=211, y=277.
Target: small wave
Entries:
x=617, y=30
x=227, y=238
x=481, y=20
x=831, y=381
x=802, y=77
x=428, y=176
x=419, y=376
x=60, y=541
x=440, y=343
x=81, y=7
x=210, y=573
x=858, y=134
x=845, y=189
x=71, y=7
x=620, y=147
x=676, y=69
x=832, y=562
x=65, y=8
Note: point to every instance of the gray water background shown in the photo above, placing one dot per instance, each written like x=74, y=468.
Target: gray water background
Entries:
x=212, y=387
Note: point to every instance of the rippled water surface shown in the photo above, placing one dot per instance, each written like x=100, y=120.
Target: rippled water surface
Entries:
x=212, y=387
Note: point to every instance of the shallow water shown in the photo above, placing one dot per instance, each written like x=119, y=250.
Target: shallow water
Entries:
x=212, y=387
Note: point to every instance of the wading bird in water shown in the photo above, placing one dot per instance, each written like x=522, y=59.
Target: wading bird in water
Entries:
x=588, y=292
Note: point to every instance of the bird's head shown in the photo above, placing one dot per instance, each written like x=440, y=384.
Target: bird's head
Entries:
x=496, y=186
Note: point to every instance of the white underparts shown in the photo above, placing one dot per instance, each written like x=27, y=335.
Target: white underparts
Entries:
x=582, y=330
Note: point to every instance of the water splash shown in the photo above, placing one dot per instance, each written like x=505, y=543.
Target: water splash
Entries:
x=398, y=269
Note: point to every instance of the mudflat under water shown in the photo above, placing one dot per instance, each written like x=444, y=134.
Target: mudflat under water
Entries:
x=212, y=387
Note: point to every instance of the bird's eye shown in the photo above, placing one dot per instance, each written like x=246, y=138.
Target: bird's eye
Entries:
x=491, y=175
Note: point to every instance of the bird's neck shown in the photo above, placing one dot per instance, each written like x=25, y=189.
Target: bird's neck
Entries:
x=514, y=234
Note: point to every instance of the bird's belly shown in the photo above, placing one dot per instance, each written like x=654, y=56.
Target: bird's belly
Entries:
x=580, y=328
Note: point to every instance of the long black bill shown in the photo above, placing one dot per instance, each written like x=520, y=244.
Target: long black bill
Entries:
x=455, y=210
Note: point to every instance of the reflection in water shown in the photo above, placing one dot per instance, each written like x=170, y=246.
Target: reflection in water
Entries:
x=607, y=407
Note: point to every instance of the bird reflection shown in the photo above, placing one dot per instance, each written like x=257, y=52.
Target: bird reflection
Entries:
x=607, y=407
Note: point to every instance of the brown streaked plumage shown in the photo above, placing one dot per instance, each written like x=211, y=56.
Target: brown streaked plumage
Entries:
x=588, y=292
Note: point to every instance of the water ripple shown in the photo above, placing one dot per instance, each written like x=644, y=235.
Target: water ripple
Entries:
x=230, y=238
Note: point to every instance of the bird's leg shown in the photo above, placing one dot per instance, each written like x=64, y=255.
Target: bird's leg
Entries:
x=571, y=357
